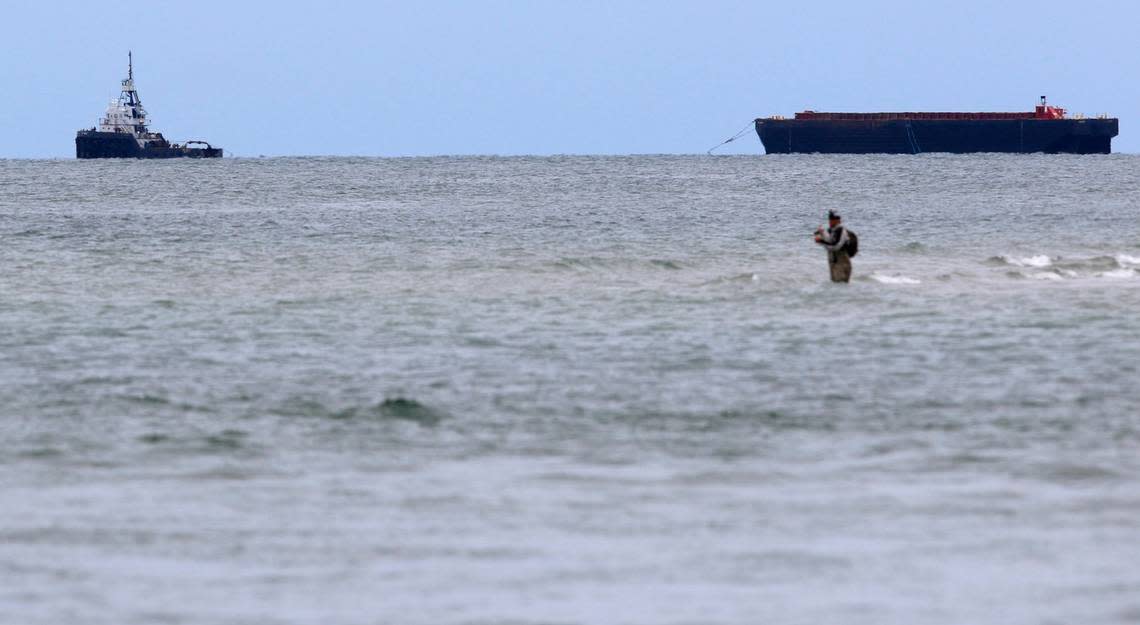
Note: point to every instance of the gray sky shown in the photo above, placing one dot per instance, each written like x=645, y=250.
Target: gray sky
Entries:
x=543, y=77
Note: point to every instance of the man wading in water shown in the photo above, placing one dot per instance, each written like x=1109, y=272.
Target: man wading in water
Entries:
x=841, y=246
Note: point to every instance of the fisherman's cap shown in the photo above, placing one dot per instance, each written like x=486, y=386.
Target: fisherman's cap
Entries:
x=833, y=215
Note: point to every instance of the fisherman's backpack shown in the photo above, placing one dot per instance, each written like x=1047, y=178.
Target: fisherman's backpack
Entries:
x=852, y=246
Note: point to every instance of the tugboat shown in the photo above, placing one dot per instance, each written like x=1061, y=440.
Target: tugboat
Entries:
x=123, y=133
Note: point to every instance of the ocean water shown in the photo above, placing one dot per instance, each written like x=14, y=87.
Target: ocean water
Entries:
x=569, y=390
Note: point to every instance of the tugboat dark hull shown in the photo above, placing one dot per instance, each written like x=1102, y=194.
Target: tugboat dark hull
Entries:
x=95, y=144
x=959, y=136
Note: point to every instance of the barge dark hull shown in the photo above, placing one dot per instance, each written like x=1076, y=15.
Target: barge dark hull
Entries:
x=94, y=144
x=1019, y=136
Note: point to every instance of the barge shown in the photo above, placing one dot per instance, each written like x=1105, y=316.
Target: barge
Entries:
x=1046, y=129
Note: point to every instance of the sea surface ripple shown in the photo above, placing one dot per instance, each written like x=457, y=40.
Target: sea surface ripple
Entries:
x=569, y=389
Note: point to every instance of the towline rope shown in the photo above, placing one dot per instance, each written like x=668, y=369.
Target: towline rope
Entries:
x=732, y=138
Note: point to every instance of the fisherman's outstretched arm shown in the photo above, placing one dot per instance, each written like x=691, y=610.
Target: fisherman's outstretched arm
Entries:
x=834, y=246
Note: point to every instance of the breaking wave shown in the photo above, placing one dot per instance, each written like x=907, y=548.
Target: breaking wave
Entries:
x=885, y=279
x=1120, y=273
x=1061, y=268
x=1039, y=261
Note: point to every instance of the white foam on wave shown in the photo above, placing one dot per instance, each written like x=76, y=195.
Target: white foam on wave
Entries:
x=1120, y=273
x=883, y=279
x=1124, y=260
x=1045, y=275
x=1038, y=261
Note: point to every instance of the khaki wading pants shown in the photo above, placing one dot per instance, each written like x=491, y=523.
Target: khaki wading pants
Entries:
x=840, y=264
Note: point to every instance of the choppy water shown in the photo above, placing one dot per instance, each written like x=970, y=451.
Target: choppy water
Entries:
x=569, y=390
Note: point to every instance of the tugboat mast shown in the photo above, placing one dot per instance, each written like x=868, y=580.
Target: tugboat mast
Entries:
x=132, y=95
